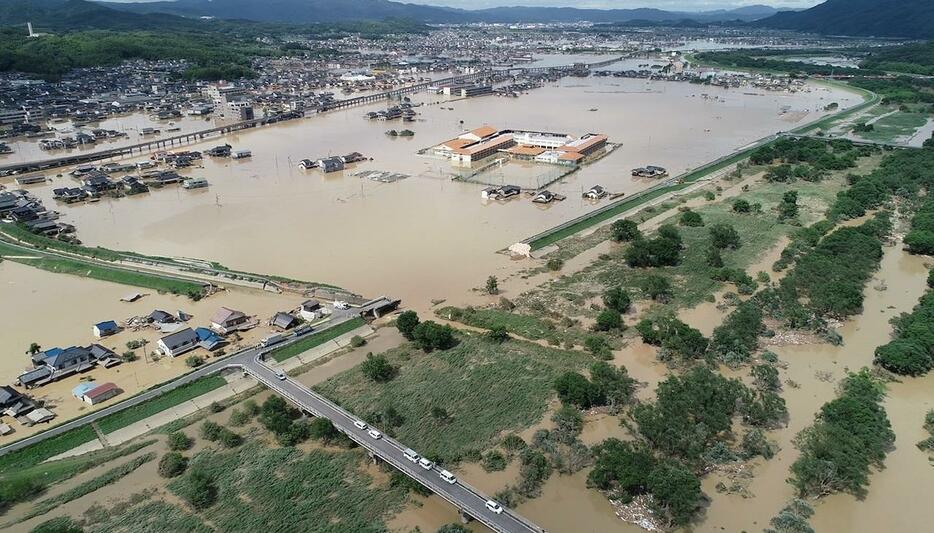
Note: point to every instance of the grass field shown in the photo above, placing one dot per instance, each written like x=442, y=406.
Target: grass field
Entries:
x=35, y=454
x=316, y=339
x=896, y=127
x=111, y=476
x=526, y=326
x=691, y=279
x=141, y=514
x=52, y=472
x=283, y=489
x=62, y=265
x=124, y=418
x=486, y=389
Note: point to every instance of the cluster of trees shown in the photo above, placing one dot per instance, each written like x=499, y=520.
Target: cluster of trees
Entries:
x=735, y=340
x=378, y=368
x=625, y=231
x=865, y=193
x=788, y=207
x=283, y=420
x=911, y=351
x=908, y=58
x=830, y=275
x=663, y=250
x=211, y=55
x=743, y=281
x=786, y=172
x=850, y=434
x=920, y=240
x=608, y=385
x=693, y=412
x=172, y=464
x=901, y=90
x=632, y=469
x=215, y=432
x=691, y=219
x=837, y=154
x=428, y=335
x=676, y=339
x=761, y=60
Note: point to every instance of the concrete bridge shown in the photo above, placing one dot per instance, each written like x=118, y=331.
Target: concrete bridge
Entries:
x=470, y=502
x=409, y=89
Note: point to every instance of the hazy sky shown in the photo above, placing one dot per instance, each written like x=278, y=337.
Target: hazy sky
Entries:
x=679, y=5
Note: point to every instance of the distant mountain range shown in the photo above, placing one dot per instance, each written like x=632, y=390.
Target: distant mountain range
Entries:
x=343, y=10
x=880, y=18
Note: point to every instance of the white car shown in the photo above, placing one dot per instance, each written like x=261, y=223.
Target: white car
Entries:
x=338, y=304
x=411, y=455
x=425, y=463
x=449, y=477
x=360, y=424
x=494, y=507
x=375, y=434
x=281, y=375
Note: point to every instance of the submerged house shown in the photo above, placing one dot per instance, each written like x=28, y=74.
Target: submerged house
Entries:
x=100, y=393
x=208, y=340
x=311, y=310
x=595, y=193
x=175, y=344
x=106, y=328
x=331, y=164
x=55, y=364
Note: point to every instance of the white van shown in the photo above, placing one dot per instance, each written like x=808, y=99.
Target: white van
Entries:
x=425, y=463
x=359, y=424
x=494, y=507
x=411, y=455
x=449, y=477
x=376, y=435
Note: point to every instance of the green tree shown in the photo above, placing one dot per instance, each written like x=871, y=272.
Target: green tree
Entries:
x=657, y=287
x=492, y=285
x=741, y=206
x=788, y=207
x=194, y=361
x=378, y=368
x=625, y=465
x=793, y=518
x=724, y=236
x=493, y=461
x=322, y=429
x=691, y=219
x=575, y=389
x=612, y=383
x=431, y=336
x=609, y=319
x=406, y=323
x=676, y=490
x=453, y=528
x=498, y=334
x=172, y=464
x=617, y=298
x=625, y=231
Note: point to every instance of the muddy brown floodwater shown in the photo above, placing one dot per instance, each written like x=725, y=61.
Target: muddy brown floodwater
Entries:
x=424, y=237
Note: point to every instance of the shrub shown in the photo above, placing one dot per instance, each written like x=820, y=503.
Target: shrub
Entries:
x=599, y=346
x=215, y=407
x=357, y=341
x=723, y=236
x=211, y=431
x=62, y=524
x=430, y=336
x=691, y=219
x=609, y=319
x=406, y=323
x=378, y=368
x=676, y=491
x=741, y=206
x=555, y=264
x=657, y=252
x=657, y=287
x=575, y=389
x=498, y=334
x=492, y=285
x=625, y=231
x=617, y=298
x=194, y=361
x=172, y=464
x=494, y=461
x=513, y=443
x=199, y=490
x=178, y=441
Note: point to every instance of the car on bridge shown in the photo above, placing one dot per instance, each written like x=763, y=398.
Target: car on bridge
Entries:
x=449, y=477
x=411, y=455
x=376, y=435
x=425, y=463
x=360, y=424
x=494, y=507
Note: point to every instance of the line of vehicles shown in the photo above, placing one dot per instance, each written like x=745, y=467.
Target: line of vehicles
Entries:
x=413, y=457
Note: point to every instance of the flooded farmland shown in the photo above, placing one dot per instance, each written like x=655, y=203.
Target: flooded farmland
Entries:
x=426, y=236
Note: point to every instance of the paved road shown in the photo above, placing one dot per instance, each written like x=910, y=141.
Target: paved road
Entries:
x=463, y=496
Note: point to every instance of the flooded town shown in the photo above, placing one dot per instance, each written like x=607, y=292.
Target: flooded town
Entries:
x=464, y=270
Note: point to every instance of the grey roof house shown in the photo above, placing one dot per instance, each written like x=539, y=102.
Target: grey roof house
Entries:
x=183, y=340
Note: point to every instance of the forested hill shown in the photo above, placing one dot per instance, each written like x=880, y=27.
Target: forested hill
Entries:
x=57, y=15
x=880, y=18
